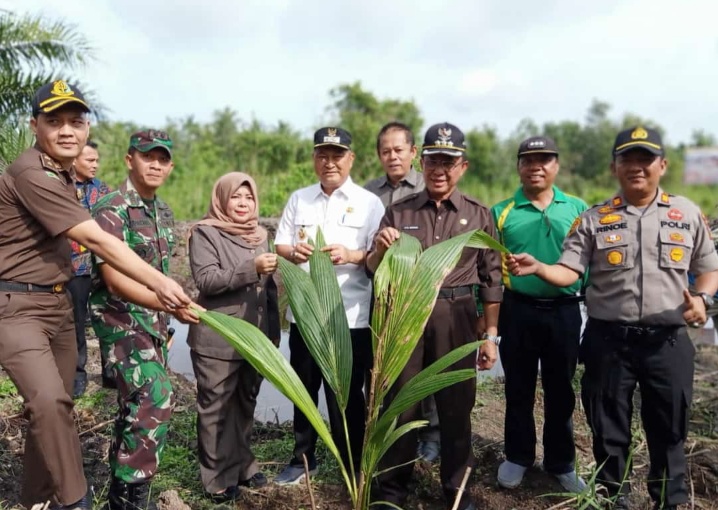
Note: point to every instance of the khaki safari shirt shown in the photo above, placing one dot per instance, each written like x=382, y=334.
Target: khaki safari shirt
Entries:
x=639, y=260
x=419, y=216
x=413, y=182
x=37, y=204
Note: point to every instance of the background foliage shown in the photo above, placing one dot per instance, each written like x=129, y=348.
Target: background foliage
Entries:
x=34, y=50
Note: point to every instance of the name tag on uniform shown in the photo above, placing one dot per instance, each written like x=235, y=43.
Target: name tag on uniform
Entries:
x=410, y=227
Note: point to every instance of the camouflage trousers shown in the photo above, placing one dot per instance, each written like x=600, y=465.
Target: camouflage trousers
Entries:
x=145, y=401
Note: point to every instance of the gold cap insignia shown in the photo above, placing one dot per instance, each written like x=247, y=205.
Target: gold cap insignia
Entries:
x=676, y=254
x=61, y=88
x=331, y=131
x=614, y=257
x=639, y=134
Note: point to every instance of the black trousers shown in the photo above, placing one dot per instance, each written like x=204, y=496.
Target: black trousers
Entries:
x=550, y=335
x=661, y=364
x=305, y=437
x=79, y=287
x=451, y=324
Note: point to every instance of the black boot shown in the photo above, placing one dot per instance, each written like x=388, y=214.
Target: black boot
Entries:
x=129, y=496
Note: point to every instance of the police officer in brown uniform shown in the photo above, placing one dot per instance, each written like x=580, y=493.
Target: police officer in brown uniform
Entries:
x=638, y=247
x=39, y=211
x=436, y=214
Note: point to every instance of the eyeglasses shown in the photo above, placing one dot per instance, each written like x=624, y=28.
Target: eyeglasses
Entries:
x=446, y=165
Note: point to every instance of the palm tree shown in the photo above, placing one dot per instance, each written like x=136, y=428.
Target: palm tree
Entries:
x=33, y=51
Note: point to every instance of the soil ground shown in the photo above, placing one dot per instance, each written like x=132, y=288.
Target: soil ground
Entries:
x=179, y=479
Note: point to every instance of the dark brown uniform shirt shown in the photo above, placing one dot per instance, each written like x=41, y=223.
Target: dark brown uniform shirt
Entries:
x=418, y=216
x=38, y=202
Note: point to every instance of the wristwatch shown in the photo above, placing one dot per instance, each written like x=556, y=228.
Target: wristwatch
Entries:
x=495, y=339
x=707, y=299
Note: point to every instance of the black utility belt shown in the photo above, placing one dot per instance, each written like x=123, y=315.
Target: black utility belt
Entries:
x=544, y=302
x=8, y=286
x=636, y=332
x=454, y=292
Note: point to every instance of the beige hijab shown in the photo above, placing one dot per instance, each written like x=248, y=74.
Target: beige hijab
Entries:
x=250, y=230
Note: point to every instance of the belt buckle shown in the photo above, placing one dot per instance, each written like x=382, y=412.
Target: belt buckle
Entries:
x=58, y=288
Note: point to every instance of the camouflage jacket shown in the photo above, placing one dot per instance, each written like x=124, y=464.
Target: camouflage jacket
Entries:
x=88, y=193
x=147, y=228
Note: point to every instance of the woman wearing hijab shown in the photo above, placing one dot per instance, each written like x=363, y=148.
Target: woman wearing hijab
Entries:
x=232, y=268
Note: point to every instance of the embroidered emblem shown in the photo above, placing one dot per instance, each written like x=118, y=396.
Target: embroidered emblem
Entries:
x=605, y=209
x=613, y=238
x=675, y=214
x=444, y=137
x=61, y=88
x=676, y=237
x=574, y=226
x=614, y=257
x=676, y=254
x=53, y=175
x=639, y=134
x=610, y=218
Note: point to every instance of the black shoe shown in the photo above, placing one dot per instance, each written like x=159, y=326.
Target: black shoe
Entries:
x=621, y=503
x=108, y=382
x=79, y=386
x=129, y=496
x=84, y=504
x=256, y=481
x=230, y=494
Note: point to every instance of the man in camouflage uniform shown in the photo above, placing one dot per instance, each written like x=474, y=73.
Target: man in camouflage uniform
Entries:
x=132, y=334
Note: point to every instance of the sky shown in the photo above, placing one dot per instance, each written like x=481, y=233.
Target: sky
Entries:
x=469, y=62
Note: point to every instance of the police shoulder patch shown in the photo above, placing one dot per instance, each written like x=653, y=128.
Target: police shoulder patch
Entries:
x=574, y=226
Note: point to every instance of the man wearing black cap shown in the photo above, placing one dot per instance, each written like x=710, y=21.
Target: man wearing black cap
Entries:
x=638, y=247
x=535, y=220
x=349, y=217
x=438, y=213
x=39, y=210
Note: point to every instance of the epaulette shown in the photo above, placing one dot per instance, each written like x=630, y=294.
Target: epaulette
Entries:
x=48, y=162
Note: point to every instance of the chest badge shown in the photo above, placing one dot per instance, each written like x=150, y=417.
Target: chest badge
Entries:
x=613, y=238
x=609, y=218
x=676, y=237
x=350, y=209
x=463, y=221
x=676, y=254
x=614, y=257
x=302, y=234
x=675, y=214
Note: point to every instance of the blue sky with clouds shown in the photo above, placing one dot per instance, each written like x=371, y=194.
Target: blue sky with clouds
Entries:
x=472, y=62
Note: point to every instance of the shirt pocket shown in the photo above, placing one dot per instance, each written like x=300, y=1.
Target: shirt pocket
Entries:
x=613, y=251
x=676, y=249
x=305, y=228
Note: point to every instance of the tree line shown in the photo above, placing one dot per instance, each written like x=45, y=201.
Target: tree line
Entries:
x=34, y=50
